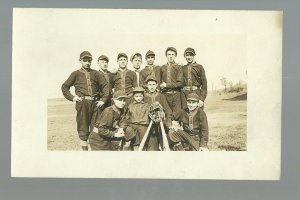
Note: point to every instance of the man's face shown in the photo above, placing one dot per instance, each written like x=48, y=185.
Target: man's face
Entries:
x=103, y=64
x=192, y=105
x=137, y=62
x=151, y=85
x=150, y=59
x=120, y=103
x=171, y=55
x=138, y=97
x=122, y=62
x=86, y=62
x=189, y=57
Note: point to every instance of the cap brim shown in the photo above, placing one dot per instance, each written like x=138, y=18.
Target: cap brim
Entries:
x=86, y=56
x=121, y=97
x=192, y=99
x=190, y=52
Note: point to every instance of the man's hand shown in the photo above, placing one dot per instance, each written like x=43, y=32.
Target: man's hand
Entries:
x=99, y=103
x=119, y=133
x=163, y=85
x=203, y=149
x=201, y=103
x=77, y=98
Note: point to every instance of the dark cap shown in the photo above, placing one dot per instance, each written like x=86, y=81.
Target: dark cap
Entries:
x=119, y=94
x=103, y=57
x=138, y=89
x=193, y=97
x=85, y=54
x=135, y=54
x=189, y=50
x=150, y=53
x=122, y=55
x=171, y=49
x=150, y=78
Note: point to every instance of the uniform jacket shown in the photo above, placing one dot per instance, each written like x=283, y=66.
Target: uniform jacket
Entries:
x=124, y=80
x=194, y=123
x=147, y=71
x=194, y=75
x=109, y=120
x=172, y=75
x=86, y=83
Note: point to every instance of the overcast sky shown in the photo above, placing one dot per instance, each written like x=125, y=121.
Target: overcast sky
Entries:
x=53, y=39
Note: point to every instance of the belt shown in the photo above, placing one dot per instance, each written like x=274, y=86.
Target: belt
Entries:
x=90, y=98
x=190, y=88
x=170, y=91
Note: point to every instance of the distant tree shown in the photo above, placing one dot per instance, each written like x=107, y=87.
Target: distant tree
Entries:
x=230, y=84
x=224, y=82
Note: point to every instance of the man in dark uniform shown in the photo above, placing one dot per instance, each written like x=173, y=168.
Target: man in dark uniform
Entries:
x=103, y=65
x=108, y=134
x=124, y=79
x=151, y=96
x=136, y=60
x=172, y=80
x=150, y=69
x=194, y=78
x=91, y=91
x=195, y=127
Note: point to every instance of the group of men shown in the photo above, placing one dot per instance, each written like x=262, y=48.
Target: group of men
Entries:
x=113, y=108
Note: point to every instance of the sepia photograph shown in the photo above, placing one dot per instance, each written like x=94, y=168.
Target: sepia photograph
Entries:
x=162, y=76
x=131, y=80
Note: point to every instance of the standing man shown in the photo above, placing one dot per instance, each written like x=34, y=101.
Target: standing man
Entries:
x=150, y=69
x=90, y=92
x=194, y=78
x=136, y=60
x=124, y=79
x=103, y=70
x=172, y=81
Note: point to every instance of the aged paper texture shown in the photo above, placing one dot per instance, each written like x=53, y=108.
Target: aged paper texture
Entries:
x=239, y=45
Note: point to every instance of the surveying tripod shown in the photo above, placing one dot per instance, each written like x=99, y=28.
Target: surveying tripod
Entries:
x=156, y=115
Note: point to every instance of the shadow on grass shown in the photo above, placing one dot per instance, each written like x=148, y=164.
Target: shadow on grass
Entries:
x=231, y=148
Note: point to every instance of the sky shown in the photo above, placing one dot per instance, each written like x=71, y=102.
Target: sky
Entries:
x=54, y=38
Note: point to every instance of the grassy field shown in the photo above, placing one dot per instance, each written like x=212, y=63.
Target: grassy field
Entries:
x=227, y=124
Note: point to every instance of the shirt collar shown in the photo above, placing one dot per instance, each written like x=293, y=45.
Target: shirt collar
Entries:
x=135, y=102
x=101, y=70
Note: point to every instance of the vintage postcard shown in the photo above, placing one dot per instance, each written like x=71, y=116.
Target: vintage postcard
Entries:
x=135, y=93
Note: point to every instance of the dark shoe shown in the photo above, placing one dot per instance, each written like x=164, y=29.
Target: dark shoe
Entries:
x=85, y=148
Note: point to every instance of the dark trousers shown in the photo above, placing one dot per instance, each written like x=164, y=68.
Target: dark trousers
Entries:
x=86, y=112
x=184, y=137
x=154, y=138
x=98, y=143
x=174, y=102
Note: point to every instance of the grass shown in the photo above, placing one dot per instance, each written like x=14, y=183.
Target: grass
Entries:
x=227, y=122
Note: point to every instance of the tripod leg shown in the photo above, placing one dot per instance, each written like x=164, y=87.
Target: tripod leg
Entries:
x=142, y=144
x=164, y=137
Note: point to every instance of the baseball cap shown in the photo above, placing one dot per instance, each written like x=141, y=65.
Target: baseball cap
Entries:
x=135, y=54
x=122, y=55
x=138, y=89
x=85, y=54
x=189, y=50
x=193, y=97
x=119, y=94
x=150, y=78
x=171, y=49
x=148, y=53
x=103, y=57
